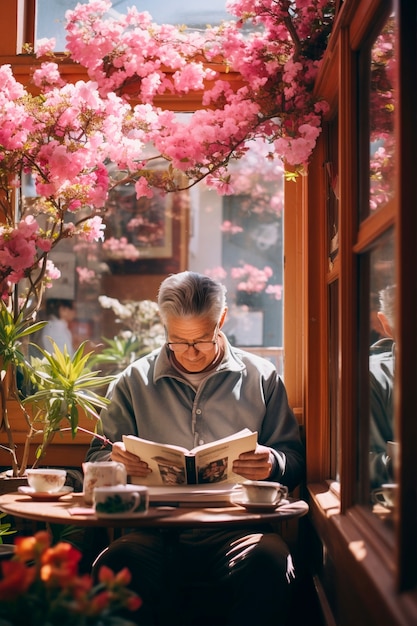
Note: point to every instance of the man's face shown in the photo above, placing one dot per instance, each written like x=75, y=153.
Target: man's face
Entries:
x=193, y=330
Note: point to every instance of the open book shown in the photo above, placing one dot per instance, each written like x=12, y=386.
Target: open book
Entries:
x=174, y=465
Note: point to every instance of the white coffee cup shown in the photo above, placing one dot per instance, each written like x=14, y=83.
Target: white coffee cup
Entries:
x=385, y=495
x=102, y=474
x=121, y=501
x=46, y=480
x=263, y=492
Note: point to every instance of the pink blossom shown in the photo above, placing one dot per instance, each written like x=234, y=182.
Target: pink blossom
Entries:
x=121, y=249
x=85, y=275
x=229, y=227
x=65, y=137
x=52, y=272
x=142, y=188
x=93, y=229
x=44, y=46
x=274, y=290
x=48, y=75
x=216, y=273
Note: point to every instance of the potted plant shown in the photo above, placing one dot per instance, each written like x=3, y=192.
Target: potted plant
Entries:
x=51, y=389
x=63, y=386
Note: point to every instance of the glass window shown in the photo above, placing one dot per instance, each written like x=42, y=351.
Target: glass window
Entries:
x=236, y=238
x=380, y=69
x=332, y=189
x=382, y=304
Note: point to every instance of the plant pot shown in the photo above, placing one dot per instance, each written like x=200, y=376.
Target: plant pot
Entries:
x=7, y=550
x=10, y=484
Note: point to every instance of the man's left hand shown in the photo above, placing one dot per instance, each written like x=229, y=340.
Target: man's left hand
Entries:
x=256, y=465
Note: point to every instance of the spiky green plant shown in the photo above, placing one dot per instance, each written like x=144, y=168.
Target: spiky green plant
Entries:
x=13, y=333
x=64, y=386
x=119, y=352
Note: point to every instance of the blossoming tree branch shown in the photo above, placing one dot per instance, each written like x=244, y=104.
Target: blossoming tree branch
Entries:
x=64, y=135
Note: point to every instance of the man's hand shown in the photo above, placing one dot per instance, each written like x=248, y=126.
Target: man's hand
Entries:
x=134, y=466
x=256, y=465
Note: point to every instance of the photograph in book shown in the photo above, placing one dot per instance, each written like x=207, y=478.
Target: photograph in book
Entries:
x=208, y=463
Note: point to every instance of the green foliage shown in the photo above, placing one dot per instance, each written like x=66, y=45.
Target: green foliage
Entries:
x=5, y=528
x=11, y=336
x=119, y=352
x=64, y=386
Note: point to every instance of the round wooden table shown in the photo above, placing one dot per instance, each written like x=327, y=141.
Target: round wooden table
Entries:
x=72, y=510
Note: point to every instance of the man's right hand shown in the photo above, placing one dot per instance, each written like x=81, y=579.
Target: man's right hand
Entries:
x=134, y=466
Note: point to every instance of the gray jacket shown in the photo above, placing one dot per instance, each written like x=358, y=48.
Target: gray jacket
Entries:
x=152, y=400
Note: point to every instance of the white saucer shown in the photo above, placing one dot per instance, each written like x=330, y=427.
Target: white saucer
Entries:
x=127, y=515
x=256, y=507
x=45, y=495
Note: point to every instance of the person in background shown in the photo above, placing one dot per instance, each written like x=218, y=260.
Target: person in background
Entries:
x=196, y=389
x=60, y=313
x=381, y=371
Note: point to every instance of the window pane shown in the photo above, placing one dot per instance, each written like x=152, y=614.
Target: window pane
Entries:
x=237, y=239
x=332, y=190
x=380, y=68
x=381, y=374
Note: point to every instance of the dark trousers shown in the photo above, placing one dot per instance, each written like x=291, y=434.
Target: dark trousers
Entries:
x=232, y=577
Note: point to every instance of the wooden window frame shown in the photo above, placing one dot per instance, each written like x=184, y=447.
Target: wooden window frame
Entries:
x=380, y=566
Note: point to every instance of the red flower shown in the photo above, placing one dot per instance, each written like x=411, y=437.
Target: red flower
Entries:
x=100, y=602
x=53, y=586
x=28, y=548
x=16, y=580
x=133, y=603
x=59, y=564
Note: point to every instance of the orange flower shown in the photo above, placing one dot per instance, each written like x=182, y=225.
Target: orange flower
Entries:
x=60, y=564
x=133, y=603
x=81, y=585
x=28, y=548
x=100, y=602
x=123, y=577
x=107, y=576
x=51, y=583
x=17, y=578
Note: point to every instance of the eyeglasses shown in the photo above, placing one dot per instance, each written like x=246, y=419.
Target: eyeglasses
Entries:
x=179, y=347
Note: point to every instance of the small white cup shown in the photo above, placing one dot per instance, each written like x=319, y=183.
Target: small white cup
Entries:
x=121, y=501
x=102, y=474
x=46, y=480
x=264, y=492
x=385, y=495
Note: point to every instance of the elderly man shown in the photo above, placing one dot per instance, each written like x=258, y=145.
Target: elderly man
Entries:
x=196, y=389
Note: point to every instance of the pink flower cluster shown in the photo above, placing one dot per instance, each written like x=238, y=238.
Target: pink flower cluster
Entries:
x=250, y=278
x=278, y=62
x=64, y=137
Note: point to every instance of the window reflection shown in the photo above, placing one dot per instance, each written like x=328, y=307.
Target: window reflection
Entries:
x=332, y=189
x=381, y=118
x=237, y=239
x=381, y=372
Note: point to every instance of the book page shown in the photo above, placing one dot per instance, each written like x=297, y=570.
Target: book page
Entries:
x=194, y=495
x=166, y=462
x=214, y=462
